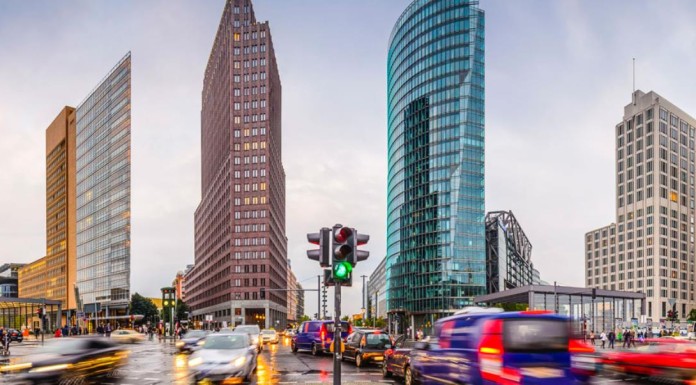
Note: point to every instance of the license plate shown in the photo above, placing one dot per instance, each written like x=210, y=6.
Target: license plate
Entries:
x=541, y=372
x=378, y=358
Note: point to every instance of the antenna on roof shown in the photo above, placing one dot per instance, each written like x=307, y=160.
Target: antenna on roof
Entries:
x=633, y=95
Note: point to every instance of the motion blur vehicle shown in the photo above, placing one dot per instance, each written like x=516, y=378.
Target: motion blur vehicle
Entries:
x=189, y=342
x=127, y=336
x=662, y=359
x=254, y=332
x=63, y=361
x=365, y=346
x=15, y=335
x=397, y=361
x=225, y=358
x=494, y=347
x=269, y=336
x=316, y=336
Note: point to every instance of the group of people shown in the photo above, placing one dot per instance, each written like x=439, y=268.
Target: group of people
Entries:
x=627, y=336
x=67, y=331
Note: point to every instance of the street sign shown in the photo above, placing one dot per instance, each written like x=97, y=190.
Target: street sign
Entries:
x=80, y=314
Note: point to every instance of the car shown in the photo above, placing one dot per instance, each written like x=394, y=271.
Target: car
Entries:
x=397, y=361
x=70, y=360
x=491, y=347
x=269, y=336
x=189, y=341
x=366, y=346
x=224, y=358
x=316, y=336
x=254, y=332
x=666, y=359
x=127, y=336
x=15, y=335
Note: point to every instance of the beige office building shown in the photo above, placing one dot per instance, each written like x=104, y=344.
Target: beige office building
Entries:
x=650, y=247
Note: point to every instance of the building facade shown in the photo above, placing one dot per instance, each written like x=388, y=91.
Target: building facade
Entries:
x=240, y=242
x=103, y=193
x=292, y=295
x=377, y=292
x=300, y=311
x=650, y=247
x=508, y=254
x=436, y=258
x=9, y=279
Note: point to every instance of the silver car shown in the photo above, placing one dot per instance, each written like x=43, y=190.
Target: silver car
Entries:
x=225, y=358
x=254, y=331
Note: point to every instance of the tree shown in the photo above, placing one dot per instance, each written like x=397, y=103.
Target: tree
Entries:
x=344, y=318
x=143, y=306
x=182, y=310
x=304, y=318
x=692, y=315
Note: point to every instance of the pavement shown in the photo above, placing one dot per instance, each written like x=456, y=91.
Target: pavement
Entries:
x=153, y=362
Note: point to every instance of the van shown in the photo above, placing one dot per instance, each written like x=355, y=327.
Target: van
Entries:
x=316, y=336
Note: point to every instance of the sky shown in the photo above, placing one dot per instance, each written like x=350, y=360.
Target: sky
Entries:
x=558, y=74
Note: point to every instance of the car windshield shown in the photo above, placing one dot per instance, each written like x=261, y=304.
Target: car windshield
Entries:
x=195, y=334
x=247, y=329
x=225, y=342
x=535, y=335
x=268, y=332
x=380, y=341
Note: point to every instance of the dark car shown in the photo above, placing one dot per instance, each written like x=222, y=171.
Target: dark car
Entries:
x=190, y=341
x=367, y=346
x=484, y=348
x=316, y=336
x=397, y=361
x=15, y=335
x=67, y=361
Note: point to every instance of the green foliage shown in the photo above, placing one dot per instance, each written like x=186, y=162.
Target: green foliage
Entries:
x=142, y=305
x=304, y=318
x=344, y=318
x=692, y=315
x=181, y=310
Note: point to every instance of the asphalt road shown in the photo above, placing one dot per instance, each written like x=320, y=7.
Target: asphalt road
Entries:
x=152, y=362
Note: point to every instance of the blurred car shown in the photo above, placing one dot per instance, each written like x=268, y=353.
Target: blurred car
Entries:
x=189, y=341
x=15, y=335
x=224, y=358
x=127, y=336
x=254, y=331
x=269, y=336
x=667, y=359
x=365, y=346
x=316, y=336
x=397, y=361
x=72, y=360
x=493, y=347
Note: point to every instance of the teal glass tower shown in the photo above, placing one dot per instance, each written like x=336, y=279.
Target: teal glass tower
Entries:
x=435, y=204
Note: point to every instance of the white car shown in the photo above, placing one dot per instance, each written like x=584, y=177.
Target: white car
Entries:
x=269, y=336
x=126, y=336
x=254, y=331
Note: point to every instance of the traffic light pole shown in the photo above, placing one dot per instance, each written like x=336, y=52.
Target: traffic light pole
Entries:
x=337, y=337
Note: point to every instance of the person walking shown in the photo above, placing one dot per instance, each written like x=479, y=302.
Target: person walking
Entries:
x=108, y=330
x=612, y=338
x=603, y=337
x=592, y=337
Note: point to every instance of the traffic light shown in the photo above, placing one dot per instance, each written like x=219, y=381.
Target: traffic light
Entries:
x=323, y=240
x=262, y=293
x=344, y=247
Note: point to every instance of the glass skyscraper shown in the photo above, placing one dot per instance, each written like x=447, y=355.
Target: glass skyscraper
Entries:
x=103, y=192
x=435, y=215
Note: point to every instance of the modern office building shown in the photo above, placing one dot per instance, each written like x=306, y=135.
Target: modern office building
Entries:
x=9, y=279
x=240, y=242
x=300, y=311
x=53, y=276
x=436, y=257
x=292, y=295
x=508, y=254
x=103, y=193
x=377, y=292
x=650, y=247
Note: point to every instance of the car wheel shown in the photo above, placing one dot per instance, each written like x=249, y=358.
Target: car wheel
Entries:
x=385, y=370
x=293, y=347
x=315, y=350
x=408, y=376
x=358, y=360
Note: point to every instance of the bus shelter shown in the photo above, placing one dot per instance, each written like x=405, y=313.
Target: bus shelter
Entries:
x=21, y=313
x=598, y=309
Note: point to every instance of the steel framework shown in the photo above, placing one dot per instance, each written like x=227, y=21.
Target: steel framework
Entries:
x=502, y=229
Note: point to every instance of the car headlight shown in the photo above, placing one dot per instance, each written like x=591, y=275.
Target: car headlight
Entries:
x=50, y=368
x=180, y=344
x=200, y=343
x=11, y=368
x=239, y=361
x=195, y=362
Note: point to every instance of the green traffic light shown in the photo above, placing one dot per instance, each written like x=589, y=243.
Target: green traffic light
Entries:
x=341, y=270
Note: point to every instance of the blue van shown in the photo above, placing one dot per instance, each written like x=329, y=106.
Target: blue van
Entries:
x=316, y=336
x=486, y=347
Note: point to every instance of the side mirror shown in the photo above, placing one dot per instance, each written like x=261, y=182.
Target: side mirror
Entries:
x=421, y=345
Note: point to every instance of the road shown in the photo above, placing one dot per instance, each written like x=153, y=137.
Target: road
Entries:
x=152, y=362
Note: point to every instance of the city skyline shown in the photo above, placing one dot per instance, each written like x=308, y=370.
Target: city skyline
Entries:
x=531, y=142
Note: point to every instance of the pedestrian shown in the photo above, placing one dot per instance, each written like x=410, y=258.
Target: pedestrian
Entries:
x=603, y=337
x=633, y=339
x=108, y=330
x=58, y=333
x=626, y=338
x=612, y=338
x=36, y=333
x=100, y=330
x=592, y=337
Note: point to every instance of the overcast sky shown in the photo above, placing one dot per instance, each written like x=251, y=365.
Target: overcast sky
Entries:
x=558, y=74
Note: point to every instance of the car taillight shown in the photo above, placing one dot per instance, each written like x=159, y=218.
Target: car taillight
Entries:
x=578, y=346
x=323, y=333
x=388, y=352
x=491, y=350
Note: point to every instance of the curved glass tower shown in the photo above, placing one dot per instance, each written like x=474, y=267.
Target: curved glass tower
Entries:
x=435, y=213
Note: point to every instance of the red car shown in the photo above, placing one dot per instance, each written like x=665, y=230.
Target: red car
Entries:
x=662, y=358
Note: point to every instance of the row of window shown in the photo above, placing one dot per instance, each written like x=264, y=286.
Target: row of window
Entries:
x=249, y=63
x=250, y=214
x=250, y=118
x=249, y=77
x=250, y=201
x=250, y=159
x=249, y=49
x=249, y=105
x=250, y=282
x=249, y=91
x=250, y=173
